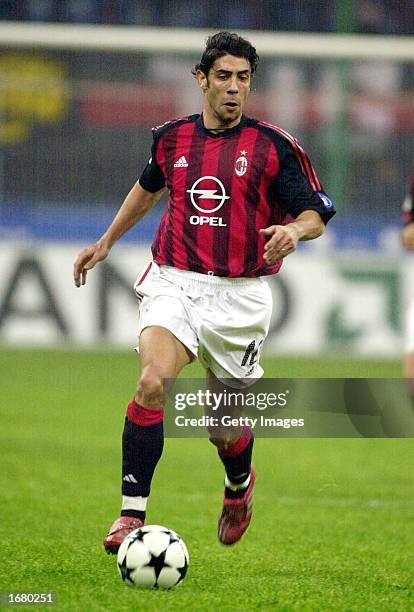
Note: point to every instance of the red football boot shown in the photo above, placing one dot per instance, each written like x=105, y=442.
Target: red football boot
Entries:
x=236, y=515
x=119, y=531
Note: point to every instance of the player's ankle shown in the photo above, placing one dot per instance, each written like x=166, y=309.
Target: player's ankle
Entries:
x=139, y=514
x=236, y=489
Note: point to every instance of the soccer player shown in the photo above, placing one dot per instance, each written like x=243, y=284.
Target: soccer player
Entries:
x=242, y=193
x=407, y=239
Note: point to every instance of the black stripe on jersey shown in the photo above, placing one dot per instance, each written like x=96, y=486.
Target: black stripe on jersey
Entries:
x=280, y=138
x=259, y=159
x=310, y=171
x=190, y=232
x=228, y=153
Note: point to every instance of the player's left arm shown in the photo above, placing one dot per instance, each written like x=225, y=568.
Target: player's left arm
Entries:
x=283, y=239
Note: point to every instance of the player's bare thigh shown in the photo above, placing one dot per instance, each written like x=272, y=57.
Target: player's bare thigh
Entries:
x=163, y=357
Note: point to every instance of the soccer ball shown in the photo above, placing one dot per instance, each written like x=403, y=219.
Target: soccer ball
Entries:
x=151, y=557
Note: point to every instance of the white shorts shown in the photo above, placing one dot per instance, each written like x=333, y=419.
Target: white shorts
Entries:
x=222, y=321
x=409, y=329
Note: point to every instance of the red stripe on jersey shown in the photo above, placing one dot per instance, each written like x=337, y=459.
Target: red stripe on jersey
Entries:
x=159, y=242
x=179, y=254
x=193, y=235
x=208, y=234
x=169, y=144
x=238, y=217
x=176, y=242
x=230, y=151
x=303, y=159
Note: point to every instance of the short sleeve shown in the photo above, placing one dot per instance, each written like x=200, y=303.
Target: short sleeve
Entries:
x=152, y=178
x=297, y=186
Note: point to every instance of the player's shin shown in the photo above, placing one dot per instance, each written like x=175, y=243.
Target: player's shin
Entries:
x=236, y=459
x=142, y=446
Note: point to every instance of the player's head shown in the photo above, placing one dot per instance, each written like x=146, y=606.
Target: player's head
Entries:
x=224, y=43
x=224, y=74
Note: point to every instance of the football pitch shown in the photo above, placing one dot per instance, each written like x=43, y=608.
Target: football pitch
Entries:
x=332, y=527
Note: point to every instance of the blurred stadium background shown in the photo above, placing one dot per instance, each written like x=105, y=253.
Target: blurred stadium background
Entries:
x=81, y=84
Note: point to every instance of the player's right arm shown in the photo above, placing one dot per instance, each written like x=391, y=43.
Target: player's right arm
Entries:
x=137, y=203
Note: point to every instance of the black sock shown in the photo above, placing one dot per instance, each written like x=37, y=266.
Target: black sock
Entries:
x=142, y=447
x=237, y=467
x=139, y=514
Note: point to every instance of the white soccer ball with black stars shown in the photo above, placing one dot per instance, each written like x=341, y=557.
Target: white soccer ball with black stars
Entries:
x=153, y=557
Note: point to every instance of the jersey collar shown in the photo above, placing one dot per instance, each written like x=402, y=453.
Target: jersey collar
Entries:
x=224, y=133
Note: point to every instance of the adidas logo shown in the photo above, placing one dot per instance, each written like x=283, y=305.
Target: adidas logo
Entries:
x=130, y=478
x=181, y=163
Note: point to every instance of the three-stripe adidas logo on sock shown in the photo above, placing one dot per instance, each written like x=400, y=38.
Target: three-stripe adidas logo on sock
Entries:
x=181, y=163
x=130, y=478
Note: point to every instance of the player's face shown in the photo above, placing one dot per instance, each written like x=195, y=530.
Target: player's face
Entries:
x=225, y=91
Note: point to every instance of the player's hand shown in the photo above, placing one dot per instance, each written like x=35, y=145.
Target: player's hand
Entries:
x=407, y=237
x=281, y=240
x=87, y=259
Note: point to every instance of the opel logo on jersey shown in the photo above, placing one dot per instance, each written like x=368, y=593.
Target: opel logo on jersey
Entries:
x=216, y=195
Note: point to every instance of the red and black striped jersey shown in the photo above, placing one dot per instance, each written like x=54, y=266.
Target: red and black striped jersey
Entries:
x=407, y=208
x=223, y=187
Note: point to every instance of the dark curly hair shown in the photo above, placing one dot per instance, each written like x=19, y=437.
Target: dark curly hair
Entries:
x=222, y=43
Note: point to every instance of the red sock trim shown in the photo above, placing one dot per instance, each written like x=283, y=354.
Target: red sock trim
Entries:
x=238, y=447
x=144, y=416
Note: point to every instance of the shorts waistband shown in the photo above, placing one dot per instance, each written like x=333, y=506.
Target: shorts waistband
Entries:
x=210, y=279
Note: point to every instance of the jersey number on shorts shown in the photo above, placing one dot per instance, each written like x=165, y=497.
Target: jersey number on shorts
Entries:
x=252, y=352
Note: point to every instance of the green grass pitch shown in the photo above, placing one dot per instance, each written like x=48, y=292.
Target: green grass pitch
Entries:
x=333, y=522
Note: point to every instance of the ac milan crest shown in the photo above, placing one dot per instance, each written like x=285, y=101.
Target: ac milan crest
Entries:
x=241, y=164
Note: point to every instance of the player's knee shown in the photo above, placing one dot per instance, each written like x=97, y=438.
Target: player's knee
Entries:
x=150, y=389
x=224, y=439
